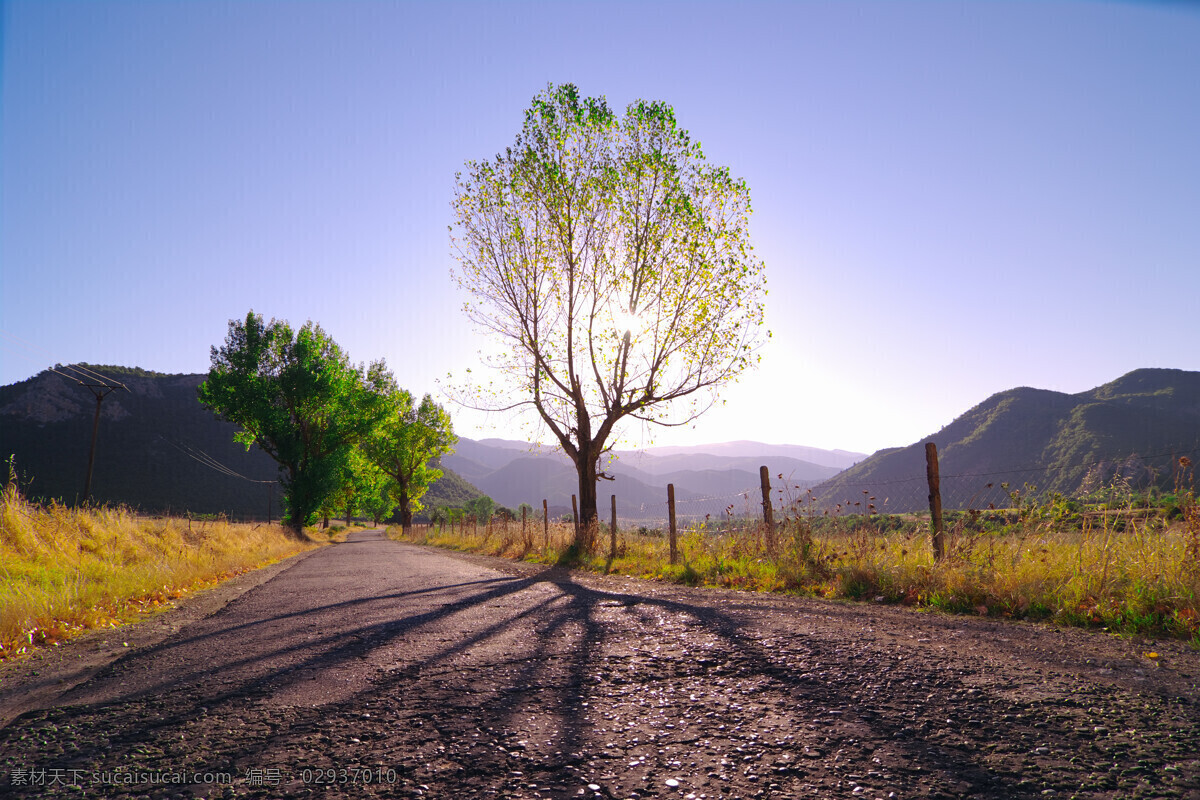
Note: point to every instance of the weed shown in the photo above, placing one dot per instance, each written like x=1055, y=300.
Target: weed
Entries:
x=67, y=570
x=1095, y=564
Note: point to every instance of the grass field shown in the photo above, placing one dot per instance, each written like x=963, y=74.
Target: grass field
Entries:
x=69, y=570
x=1119, y=571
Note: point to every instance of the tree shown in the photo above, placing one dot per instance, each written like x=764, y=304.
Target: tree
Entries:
x=406, y=445
x=614, y=264
x=297, y=396
x=480, y=508
x=365, y=488
x=375, y=489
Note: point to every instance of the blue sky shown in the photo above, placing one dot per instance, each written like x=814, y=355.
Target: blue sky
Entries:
x=951, y=198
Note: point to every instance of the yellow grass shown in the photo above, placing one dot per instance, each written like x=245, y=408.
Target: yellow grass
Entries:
x=1136, y=577
x=68, y=570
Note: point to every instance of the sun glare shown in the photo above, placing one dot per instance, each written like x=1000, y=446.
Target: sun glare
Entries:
x=625, y=321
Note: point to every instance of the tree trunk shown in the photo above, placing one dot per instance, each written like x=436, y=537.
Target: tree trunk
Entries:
x=405, y=509
x=588, y=512
x=293, y=516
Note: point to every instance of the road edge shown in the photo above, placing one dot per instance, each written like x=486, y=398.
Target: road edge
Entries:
x=36, y=682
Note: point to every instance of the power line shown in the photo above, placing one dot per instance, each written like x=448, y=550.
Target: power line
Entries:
x=100, y=390
x=208, y=461
x=90, y=374
x=26, y=357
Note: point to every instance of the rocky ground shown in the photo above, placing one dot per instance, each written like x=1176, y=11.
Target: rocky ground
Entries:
x=380, y=669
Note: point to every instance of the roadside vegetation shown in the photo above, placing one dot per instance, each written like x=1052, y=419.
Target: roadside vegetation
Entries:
x=68, y=570
x=1117, y=561
x=345, y=437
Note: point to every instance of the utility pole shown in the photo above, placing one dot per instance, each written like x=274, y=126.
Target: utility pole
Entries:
x=101, y=391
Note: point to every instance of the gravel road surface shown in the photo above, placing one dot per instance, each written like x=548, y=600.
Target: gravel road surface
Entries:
x=378, y=669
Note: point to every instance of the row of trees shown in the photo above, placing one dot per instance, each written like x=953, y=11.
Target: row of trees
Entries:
x=481, y=509
x=346, y=436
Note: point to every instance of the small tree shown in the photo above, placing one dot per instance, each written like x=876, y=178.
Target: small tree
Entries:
x=366, y=488
x=614, y=264
x=439, y=515
x=297, y=396
x=406, y=446
x=378, y=505
x=480, y=508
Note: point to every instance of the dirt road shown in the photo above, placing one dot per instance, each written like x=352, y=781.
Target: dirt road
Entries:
x=373, y=668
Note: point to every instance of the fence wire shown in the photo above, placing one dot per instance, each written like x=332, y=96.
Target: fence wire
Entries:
x=1109, y=479
x=1100, y=480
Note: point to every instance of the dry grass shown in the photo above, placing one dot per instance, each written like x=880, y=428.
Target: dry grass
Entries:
x=67, y=570
x=1124, y=575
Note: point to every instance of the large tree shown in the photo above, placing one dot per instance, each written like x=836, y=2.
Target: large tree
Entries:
x=296, y=395
x=406, y=446
x=615, y=265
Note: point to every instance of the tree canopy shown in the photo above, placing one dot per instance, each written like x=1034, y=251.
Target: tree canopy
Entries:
x=614, y=264
x=480, y=508
x=297, y=396
x=406, y=446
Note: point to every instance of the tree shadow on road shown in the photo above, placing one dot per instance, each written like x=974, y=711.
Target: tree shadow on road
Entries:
x=510, y=683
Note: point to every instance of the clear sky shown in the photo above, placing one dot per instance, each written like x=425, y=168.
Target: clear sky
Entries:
x=951, y=198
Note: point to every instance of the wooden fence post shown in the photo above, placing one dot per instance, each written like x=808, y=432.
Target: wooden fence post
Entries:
x=526, y=541
x=768, y=514
x=935, y=500
x=671, y=518
x=612, y=549
x=546, y=524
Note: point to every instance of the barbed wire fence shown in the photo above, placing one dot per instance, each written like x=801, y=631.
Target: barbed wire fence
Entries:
x=1001, y=488
x=1005, y=486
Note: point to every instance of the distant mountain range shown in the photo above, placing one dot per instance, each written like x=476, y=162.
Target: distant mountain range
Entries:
x=706, y=477
x=154, y=439
x=1133, y=429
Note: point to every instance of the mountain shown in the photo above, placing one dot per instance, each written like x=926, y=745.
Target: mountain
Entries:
x=150, y=447
x=1133, y=429
x=652, y=464
x=707, y=478
x=756, y=451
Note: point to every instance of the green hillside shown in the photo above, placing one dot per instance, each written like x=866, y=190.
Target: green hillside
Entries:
x=1131, y=429
x=150, y=448
x=450, y=490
